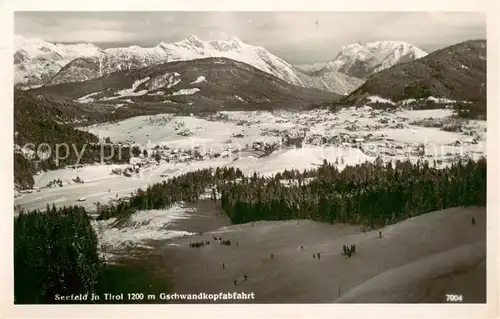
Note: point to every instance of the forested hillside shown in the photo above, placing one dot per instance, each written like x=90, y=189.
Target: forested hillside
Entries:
x=40, y=120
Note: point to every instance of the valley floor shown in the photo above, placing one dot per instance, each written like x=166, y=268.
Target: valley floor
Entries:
x=352, y=136
x=418, y=260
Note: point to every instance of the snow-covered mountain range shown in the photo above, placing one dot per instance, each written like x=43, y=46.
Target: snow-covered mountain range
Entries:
x=361, y=60
x=38, y=62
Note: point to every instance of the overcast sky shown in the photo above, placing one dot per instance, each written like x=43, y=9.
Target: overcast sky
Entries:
x=297, y=37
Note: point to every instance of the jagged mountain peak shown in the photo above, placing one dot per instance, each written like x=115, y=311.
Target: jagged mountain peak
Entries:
x=362, y=59
x=456, y=73
x=192, y=40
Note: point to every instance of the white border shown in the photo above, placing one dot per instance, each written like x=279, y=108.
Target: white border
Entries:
x=8, y=310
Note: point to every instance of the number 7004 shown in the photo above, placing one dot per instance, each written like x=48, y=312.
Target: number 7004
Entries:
x=454, y=298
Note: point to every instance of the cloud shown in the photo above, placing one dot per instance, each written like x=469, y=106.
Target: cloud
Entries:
x=299, y=37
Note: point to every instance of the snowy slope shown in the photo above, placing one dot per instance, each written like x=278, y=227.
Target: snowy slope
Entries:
x=333, y=81
x=363, y=59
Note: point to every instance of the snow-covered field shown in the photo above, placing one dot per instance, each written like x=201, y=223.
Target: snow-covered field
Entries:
x=103, y=189
x=348, y=137
x=138, y=230
x=254, y=125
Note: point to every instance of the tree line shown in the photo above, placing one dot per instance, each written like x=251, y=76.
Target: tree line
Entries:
x=370, y=193
x=374, y=194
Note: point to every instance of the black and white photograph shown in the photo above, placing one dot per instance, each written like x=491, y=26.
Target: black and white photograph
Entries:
x=250, y=157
